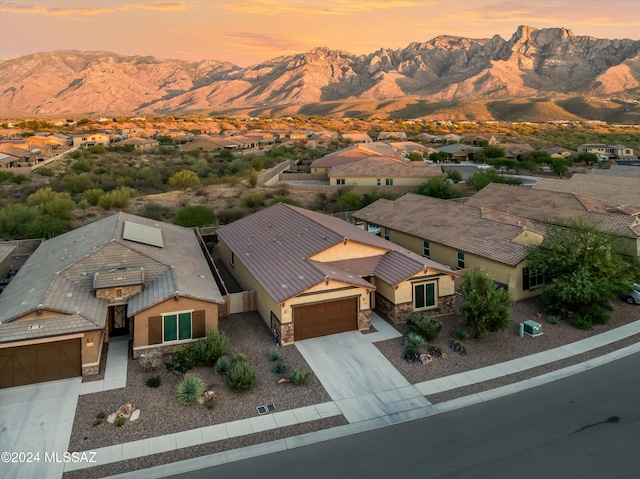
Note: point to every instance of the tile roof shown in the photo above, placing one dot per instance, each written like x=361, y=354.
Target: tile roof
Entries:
x=385, y=167
x=620, y=171
x=619, y=190
x=6, y=250
x=555, y=208
x=275, y=245
x=19, y=330
x=59, y=274
x=465, y=228
x=354, y=153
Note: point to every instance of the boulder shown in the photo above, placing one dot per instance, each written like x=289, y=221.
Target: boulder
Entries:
x=284, y=381
x=135, y=415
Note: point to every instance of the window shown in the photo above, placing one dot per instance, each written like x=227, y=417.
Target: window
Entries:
x=378, y=182
x=426, y=249
x=424, y=296
x=388, y=182
x=531, y=278
x=176, y=327
x=386, y=233
x=340, y=181
x=460, y=260
x=118, y=292
x=233, y=260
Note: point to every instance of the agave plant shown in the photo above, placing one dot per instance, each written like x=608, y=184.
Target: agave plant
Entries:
x=190, y=389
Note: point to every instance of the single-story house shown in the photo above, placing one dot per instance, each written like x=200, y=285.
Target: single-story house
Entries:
x=618, y=190
x=459, y=151
x=383, y=171
x=480, y=139
x=514, y=151
x=351, y=154
x=316, y=275
x=553, y=207
x=140, y=143
x=461, y=237
x=392, y=135
x=120, y=275
x=357, y=137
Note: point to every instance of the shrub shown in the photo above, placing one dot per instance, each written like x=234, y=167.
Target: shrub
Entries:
x=554, y=319
x=251, y=199
x=461, y=334
x=274, y=355
x=279, y=368
x=151, y=361
x=208, y=350
x=182, y=360
x=153, y=382
x=190, y=389
x=413, y=342
x=299, y=377
x=119, y=422
x=242, y=376
x=423, y=325
x=435, y=351
x=223, y=365
x=458, y=347
x=101, y=416
x=97, y=422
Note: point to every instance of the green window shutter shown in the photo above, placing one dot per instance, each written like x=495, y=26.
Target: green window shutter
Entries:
x=419, y=296
x=525, y=279
x=155, y=330
x=184, y=326
x=431, y=294
x=170, y=328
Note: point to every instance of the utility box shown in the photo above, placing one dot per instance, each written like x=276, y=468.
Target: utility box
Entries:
x=532, y=328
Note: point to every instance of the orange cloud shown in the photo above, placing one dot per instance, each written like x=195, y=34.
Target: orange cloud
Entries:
x=321, y=7
x=24, y=8
x=266, y=41
x=20, y=8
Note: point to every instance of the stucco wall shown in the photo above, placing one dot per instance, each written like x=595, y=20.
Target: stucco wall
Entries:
x=369, y=181
x=141, y=320
x=349, y=250
x=509, y=275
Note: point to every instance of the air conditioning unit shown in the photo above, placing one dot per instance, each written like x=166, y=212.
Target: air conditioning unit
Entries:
x=532, y=328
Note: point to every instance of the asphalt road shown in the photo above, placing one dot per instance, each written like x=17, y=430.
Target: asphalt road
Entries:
x=584, y=426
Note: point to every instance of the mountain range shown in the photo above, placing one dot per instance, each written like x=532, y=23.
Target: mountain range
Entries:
x=538, y=74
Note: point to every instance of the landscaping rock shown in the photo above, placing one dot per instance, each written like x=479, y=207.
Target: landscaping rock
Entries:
x=284, y=381
x=135, y=415
x=111, y=418
x=425, y=358
x=123, y=411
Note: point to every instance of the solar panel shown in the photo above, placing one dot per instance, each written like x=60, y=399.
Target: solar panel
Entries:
x=142, y=234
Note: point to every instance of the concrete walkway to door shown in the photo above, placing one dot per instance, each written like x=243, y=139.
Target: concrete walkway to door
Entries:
x=359, y=379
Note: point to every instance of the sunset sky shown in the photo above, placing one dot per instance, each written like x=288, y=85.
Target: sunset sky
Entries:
x=247, y=32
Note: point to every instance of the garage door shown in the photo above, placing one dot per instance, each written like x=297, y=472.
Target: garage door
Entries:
x=321, y=319
x=40, y=362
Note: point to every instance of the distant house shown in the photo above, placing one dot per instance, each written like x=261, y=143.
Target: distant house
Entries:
x=357, y=137
x=316, y=275
x=606, y=151
x=382, y=171
x=480, y=139
x=351, y=154
x=514, y=151
x=551, y=207
x=559, y=152
x=17, y=156
x=459, y=152
x=87, y=140
x=392, y=135
x=122, y=275
x=461, y=237
x=140, y=143
x=616, y=190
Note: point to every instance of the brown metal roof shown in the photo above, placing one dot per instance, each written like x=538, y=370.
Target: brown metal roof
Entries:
x=619, y=190
x=465, y=228
x=385, y=167
x=555, y=208
x=275, y=245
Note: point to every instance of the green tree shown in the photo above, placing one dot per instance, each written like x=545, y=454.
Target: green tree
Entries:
x=437, y=187
x=486, y=307
x=118, y=199
x=415, y=156
x=252, y=178
x=349, y=201
x=489, y=151
x=15, y=220
x=184, y=179
x=93, y=195
x=582, y=272
x=257, y=163
x=560, y=165
x=482, y=178
x=588, y=158
x=194, y=215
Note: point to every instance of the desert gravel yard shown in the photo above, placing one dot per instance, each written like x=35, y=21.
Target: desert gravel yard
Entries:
x=498, y=347
x=162, y=414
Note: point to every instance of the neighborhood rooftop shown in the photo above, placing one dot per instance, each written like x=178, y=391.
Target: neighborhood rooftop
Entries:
x=466, y=228
x=276, y=244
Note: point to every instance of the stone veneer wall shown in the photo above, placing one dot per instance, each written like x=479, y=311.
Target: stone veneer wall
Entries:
x=90, y=370
x=286, y=334
x=398, y=313
x=163, y=348
x=364, y=320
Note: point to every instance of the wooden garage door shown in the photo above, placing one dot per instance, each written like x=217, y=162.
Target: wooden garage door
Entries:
x=40, y=362
x=321, y=319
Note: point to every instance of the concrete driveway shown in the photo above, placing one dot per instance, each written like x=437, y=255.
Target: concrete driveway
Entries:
x=357, y=376
x=37, y=419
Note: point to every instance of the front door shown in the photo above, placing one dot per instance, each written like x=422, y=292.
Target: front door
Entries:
x=119, y=322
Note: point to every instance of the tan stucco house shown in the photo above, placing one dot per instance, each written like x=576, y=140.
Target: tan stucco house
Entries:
x=316, y=275
x=461, y=237
x=383, y=171
x=120, y=275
